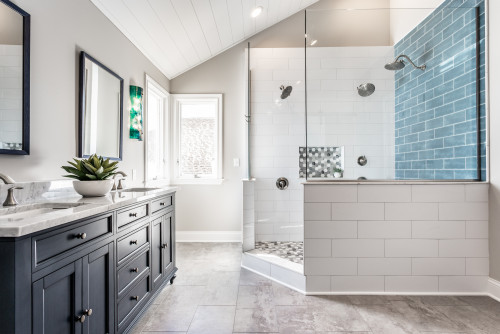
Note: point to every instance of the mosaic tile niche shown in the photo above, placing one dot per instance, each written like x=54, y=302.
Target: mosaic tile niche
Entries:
x=320, y=162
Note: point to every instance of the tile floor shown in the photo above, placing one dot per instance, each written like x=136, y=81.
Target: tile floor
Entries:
x=212, y=294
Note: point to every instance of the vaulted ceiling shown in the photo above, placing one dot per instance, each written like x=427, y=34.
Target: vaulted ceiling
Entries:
x=177, y=35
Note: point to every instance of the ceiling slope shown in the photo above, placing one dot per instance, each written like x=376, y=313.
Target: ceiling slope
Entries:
x=177, y=35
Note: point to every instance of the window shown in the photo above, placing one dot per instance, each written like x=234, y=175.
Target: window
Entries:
x=197, y=138
x=156, y=132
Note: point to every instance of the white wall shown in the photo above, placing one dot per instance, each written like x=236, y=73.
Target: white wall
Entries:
x=396, y=238
x=60, y=29
x=406, y=15
x=494, y=137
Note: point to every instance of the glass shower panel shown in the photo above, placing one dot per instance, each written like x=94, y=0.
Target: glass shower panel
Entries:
x=277, y=130
x=395, y=101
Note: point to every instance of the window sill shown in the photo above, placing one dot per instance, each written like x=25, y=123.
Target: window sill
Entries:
x=198, y=181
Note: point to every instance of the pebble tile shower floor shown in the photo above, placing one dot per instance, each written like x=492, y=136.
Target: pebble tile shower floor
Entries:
x=288, y=250
x=212, y=294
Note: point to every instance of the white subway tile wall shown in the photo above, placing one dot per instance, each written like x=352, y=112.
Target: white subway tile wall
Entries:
x=337, y=116
x=392, y=238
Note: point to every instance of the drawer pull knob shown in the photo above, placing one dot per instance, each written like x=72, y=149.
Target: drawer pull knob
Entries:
x=162, y=203
x=134, y=270
x=133, y=214
x=80, y=319
x=81, y=235
x=164, y=246
x=133, y=242
x=88, y=312
x=136, y=298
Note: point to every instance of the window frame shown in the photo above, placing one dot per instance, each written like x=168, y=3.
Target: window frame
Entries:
x=176, y=102
x=165, y=130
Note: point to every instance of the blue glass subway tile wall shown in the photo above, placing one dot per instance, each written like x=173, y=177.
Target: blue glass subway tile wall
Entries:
x=436, y=123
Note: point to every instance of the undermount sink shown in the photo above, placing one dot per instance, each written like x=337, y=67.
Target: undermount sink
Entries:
x=33, y=210
x=137, y=190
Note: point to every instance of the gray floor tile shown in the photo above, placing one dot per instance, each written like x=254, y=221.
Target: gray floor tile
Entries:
x=255, y=297
x=427, y=318
x=472, y=318
x=221, y=295
x=255, y=320
x=338, y=317
x=286, y=296
x=212, y=294
x=173, y=319
x=213, y=320
x=249, y=278
x=293, y=319
x=385, y=319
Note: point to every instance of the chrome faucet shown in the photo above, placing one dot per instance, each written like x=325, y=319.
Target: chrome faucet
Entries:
x=6, y=179
x=120, y=186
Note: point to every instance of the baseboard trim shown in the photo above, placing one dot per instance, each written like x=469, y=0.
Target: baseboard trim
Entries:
x=390, y=293
x=494, y=289
x=208, y=236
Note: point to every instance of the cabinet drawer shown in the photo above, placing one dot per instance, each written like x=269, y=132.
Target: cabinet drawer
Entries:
x=132, y=271
x=162, y=203
x=129, y=215
x=132, y=242
x=133, y=298
x=54, y=243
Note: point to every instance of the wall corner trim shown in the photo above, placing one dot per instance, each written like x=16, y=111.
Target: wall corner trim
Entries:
x=494, y=289
x=208, y=236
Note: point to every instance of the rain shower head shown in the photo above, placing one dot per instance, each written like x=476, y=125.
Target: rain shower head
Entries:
x=366, y=89
x=398, y=64
x=285, y=91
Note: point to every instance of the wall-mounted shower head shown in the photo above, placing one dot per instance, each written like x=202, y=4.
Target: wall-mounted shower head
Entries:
x=398, y=64
x=285, y=91
x=366, y=89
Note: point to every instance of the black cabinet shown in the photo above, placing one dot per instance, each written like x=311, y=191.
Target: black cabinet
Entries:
x=89, y=276
x=76, y=298
x=162, y=247
x=57, y=301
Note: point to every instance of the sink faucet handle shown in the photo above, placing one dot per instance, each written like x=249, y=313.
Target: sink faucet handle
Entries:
x=11, y=200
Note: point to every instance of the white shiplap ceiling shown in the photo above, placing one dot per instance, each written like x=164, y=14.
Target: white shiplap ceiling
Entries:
x=177, y=35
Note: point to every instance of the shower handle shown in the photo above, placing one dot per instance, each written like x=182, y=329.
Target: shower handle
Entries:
x=282, y=183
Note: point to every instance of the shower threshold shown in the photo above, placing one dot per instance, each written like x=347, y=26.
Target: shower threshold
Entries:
x=271, y=261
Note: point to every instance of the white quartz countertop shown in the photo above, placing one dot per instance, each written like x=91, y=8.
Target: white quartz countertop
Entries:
x=90, y=206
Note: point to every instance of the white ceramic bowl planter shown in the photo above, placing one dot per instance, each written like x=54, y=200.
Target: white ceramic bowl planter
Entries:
x=96, y=188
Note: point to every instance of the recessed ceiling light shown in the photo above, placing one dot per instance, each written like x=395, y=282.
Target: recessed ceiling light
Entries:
x=257, y=11
x=314, y=42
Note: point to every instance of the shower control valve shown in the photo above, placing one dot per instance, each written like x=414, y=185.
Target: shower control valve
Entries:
x=282, y=183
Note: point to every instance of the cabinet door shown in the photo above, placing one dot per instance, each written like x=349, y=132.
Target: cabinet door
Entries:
x=98, y=291
x=167, y=245
x=157, y=252
x=57, y=301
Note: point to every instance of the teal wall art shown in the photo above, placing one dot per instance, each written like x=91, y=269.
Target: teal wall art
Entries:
x=136, y=113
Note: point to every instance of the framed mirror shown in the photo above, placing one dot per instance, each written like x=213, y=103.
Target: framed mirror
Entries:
x=101, y=110
x=14, y=79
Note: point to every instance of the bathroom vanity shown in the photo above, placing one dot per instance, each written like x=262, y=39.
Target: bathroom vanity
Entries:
x=90, y=266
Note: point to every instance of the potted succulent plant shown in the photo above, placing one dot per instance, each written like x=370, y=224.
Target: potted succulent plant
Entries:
x=92, y=175
x=337, y=172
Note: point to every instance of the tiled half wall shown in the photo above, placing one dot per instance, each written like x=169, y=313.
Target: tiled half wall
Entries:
x=436, y=108
x=396, y=238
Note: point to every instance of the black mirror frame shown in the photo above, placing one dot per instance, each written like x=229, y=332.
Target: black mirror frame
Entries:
x=81, y=105
x=26, y=80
